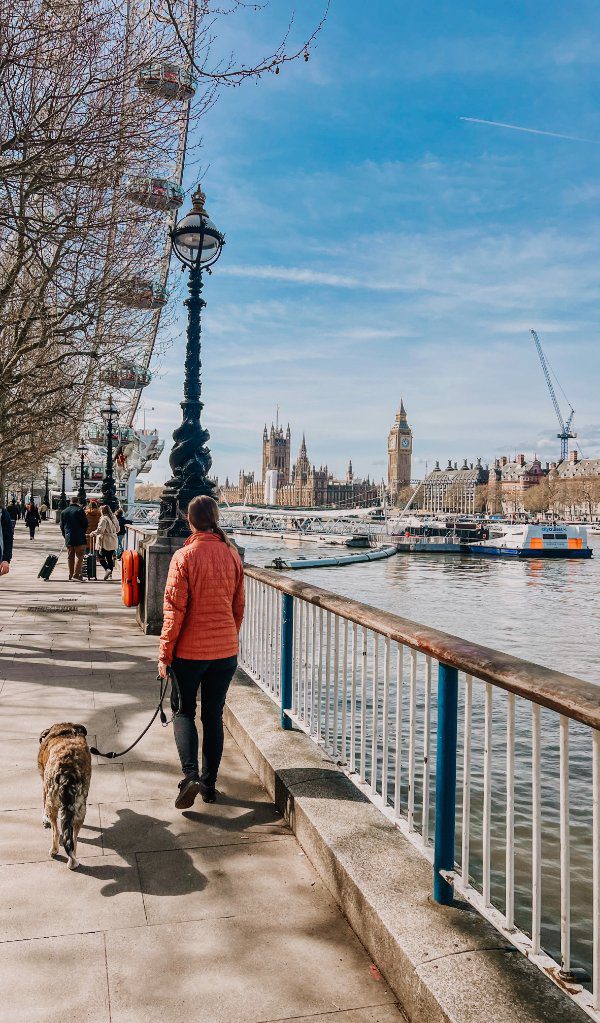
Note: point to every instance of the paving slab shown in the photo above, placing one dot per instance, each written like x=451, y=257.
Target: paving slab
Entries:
x=102, y=894
x=236, y=880
x=20, y=784
x=55, y=980
x=251, y=968
x=23, y=839
x=154, y=824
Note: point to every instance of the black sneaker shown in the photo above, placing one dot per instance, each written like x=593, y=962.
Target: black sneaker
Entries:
x=188, y=790
x=208, y=793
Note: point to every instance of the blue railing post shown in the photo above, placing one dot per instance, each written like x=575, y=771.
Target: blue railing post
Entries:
x=445, y=783
x=287, y=650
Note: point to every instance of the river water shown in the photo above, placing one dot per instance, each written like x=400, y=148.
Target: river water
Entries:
x=544, y=611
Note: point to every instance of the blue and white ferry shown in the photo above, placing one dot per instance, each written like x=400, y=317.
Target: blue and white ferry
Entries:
x=520, y=540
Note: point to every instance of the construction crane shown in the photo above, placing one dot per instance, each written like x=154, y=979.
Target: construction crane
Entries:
x=566, y=433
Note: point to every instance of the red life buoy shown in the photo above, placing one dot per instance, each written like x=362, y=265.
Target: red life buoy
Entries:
x=130, y=578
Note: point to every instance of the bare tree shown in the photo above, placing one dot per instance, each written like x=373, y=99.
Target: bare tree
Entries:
x=75, y=126
x=536, y=498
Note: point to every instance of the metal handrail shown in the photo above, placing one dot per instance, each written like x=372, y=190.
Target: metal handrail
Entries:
x=565, y=694
x=338, y=670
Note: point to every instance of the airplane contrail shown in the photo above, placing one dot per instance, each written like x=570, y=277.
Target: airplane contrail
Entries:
x=530, y=131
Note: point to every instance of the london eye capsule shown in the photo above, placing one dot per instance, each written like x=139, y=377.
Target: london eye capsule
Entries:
x=126, y=376
x=168, y=80
x=141, y=293
x=155, y=192
x=96, y=433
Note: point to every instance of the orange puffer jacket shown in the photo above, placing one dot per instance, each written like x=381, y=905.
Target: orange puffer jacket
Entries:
x=204, y=601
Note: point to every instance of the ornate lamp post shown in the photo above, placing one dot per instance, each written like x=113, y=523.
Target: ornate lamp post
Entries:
x=81, y=494
x=63, y=494
x=197, y=243
x=109, y=489
x=31, y=491
x=46, y=498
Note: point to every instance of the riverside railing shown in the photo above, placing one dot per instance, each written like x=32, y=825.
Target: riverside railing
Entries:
x=476, y=769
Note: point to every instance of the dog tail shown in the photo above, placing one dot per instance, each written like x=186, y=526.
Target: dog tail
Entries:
x=67, y=788
x=66, y=835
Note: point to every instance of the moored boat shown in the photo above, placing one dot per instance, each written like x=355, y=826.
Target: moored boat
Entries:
x=557, y=540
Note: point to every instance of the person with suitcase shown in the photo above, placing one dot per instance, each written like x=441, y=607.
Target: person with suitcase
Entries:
x=89, y=561
x=106, y=535
x=73, y=526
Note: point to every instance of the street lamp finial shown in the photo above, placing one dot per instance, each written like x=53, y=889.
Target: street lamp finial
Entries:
x=198, y=200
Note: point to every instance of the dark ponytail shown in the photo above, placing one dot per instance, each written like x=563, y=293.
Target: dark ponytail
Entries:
x=203, y=514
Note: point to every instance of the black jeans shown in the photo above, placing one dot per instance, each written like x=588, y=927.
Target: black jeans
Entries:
x=106, y=559
x=212, y=678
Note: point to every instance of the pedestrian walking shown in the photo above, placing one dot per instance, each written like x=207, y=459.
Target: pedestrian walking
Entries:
x=32, y=519
x=7, y=527
x=14, y=511
x=43, y=511
x=106, y=536
x=122, y=524
x=73, y=526
x=203, y=611
x=93, y=518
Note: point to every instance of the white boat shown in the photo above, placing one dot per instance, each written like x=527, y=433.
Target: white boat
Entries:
x=348, y=559
x=558, y=540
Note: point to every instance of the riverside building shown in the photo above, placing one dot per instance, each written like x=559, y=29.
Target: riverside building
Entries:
x=513, y=486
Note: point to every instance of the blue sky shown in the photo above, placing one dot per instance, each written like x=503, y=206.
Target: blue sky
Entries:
x=379, y=245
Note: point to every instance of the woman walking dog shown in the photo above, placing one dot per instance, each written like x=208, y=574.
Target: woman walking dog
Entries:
x=203, y=611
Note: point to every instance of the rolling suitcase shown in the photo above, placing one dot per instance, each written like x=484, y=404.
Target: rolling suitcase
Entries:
x=90, y=560
x=49, y=565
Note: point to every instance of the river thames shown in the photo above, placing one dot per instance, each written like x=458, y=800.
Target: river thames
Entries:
x=543, y=611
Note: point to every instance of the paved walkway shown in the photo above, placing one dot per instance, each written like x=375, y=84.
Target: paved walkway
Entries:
x=213, y=914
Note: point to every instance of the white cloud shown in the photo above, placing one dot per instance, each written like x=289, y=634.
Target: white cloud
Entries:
x=303, y=275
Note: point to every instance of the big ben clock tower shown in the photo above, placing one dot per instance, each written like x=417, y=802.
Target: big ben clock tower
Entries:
x=399, y=455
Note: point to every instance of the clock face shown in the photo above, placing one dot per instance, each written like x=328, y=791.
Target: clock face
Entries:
x=405, y=442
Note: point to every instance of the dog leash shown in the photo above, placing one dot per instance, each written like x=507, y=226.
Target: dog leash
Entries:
x=164, y=682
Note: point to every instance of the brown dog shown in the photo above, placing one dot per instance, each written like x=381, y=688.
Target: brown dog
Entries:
x=65, y=765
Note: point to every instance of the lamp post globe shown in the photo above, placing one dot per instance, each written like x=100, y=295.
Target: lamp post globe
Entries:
x=109, y=489
x=197, y=243
x=81, y=494
x=62, y=504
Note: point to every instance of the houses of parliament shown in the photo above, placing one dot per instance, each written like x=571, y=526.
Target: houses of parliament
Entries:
x=301, y=484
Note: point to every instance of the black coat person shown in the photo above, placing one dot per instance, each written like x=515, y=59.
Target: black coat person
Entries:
x=6, y=540
x=73, y=526
x=32, y=519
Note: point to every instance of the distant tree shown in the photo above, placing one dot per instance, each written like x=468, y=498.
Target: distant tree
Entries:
x=488, y=499
x=148, y=491
x=536, y=499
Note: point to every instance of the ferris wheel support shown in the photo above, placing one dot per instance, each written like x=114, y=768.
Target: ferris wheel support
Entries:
x=182, y=133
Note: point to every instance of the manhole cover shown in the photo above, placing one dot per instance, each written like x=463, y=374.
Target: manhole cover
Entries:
x=70, y=609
